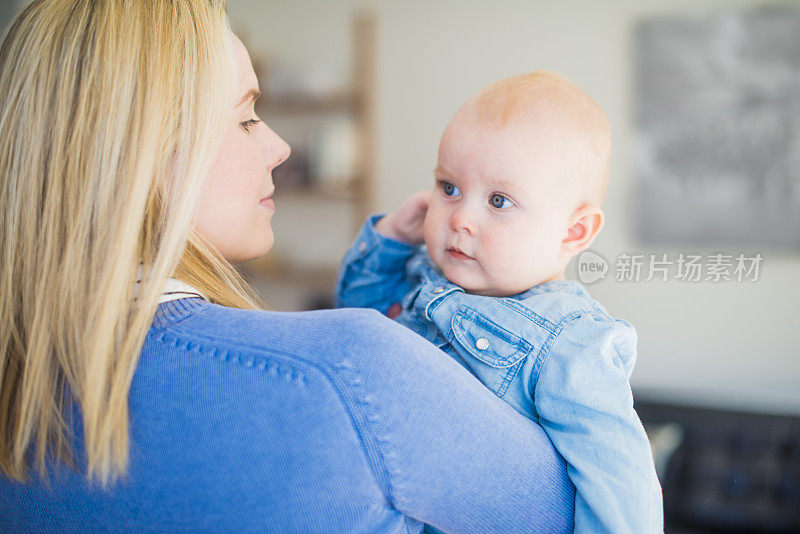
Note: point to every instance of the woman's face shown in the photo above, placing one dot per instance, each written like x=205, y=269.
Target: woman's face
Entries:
x=236, y=204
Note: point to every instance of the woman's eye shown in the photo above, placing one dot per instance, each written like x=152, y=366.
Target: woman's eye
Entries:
x=247, y=124
x=450, y=190
x=499, y=201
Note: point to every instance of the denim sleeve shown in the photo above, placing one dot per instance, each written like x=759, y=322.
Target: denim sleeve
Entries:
x=585, y=405
x=373, y=271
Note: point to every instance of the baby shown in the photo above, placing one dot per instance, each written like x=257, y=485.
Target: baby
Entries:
x=522, y=172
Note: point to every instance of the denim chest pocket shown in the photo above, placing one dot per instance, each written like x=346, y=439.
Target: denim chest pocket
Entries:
x=487, y=341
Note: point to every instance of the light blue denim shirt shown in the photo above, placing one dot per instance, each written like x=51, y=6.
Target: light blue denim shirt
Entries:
x=552, y=353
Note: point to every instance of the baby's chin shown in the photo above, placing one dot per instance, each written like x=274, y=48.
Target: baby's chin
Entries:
x=457, y=276
x=474, y=280
x=471, y=283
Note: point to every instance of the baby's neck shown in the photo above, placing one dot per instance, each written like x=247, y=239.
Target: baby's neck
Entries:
x=557, y=277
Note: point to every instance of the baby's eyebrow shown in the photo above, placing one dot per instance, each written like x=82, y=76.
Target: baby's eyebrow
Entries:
x=440, y=170
x=503, y=183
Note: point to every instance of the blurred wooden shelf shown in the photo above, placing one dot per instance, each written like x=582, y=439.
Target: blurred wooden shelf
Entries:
x=358, y=102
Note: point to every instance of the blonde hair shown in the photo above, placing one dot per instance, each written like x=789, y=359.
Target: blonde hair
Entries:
x=547, y=98
x=110, y=117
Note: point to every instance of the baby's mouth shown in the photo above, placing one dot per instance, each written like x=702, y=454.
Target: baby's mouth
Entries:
x=457, y=254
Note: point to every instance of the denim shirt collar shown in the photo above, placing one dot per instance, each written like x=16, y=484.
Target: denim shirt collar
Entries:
x=564, y=286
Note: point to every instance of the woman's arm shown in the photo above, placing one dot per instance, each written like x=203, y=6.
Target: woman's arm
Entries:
x=454, y=455
x=324, y=421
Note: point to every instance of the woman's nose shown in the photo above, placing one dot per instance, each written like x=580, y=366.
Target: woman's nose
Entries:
x=461, y=220
x=278, y=150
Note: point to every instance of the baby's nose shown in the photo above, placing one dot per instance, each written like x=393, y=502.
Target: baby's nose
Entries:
x=461, y=220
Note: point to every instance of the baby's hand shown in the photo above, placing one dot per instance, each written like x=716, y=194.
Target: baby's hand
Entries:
x=405, y=223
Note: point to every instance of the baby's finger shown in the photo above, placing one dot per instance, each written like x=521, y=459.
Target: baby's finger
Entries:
x=422, y=199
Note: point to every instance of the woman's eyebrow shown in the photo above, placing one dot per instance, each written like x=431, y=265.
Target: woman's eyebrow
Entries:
x=252, y=94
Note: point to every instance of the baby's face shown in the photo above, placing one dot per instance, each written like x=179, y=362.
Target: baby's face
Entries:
x=499, y=209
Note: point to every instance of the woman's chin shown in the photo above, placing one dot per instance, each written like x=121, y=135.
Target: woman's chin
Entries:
x=253, y=251
x=266, y=246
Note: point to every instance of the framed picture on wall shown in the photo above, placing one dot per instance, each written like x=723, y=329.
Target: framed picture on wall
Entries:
x=717, y=116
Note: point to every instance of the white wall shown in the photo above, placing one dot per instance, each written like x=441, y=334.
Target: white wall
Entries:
x=730, y=344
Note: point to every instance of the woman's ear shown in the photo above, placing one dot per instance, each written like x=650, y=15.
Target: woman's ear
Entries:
x=584, y=225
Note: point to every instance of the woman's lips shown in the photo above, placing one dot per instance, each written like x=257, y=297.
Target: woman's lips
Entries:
x=457, y=254
x=267, y=201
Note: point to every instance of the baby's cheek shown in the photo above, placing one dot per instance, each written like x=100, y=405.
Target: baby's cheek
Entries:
x=513, y=255
x=429, y=229
x=499, y=255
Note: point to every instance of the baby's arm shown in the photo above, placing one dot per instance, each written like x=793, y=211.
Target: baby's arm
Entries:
x=585, y=405
x=372, y=273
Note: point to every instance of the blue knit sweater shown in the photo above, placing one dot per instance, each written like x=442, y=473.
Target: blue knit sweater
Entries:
x=326, y=421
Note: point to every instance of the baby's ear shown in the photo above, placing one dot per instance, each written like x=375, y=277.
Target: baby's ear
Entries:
x=584, y=225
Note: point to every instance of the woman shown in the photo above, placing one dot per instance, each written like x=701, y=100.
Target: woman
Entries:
x=142, y=385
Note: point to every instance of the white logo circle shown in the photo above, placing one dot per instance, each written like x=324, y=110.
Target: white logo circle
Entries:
x=591, y=267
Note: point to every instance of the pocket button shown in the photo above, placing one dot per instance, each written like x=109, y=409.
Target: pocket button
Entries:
x=482, y=343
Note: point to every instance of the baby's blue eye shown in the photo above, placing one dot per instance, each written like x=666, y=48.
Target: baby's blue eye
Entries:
x=499, y=201
x=450, y=190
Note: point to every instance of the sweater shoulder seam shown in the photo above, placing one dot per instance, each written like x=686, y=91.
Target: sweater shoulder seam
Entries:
x=257, y=358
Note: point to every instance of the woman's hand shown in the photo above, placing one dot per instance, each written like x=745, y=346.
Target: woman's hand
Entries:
x=405, y=223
